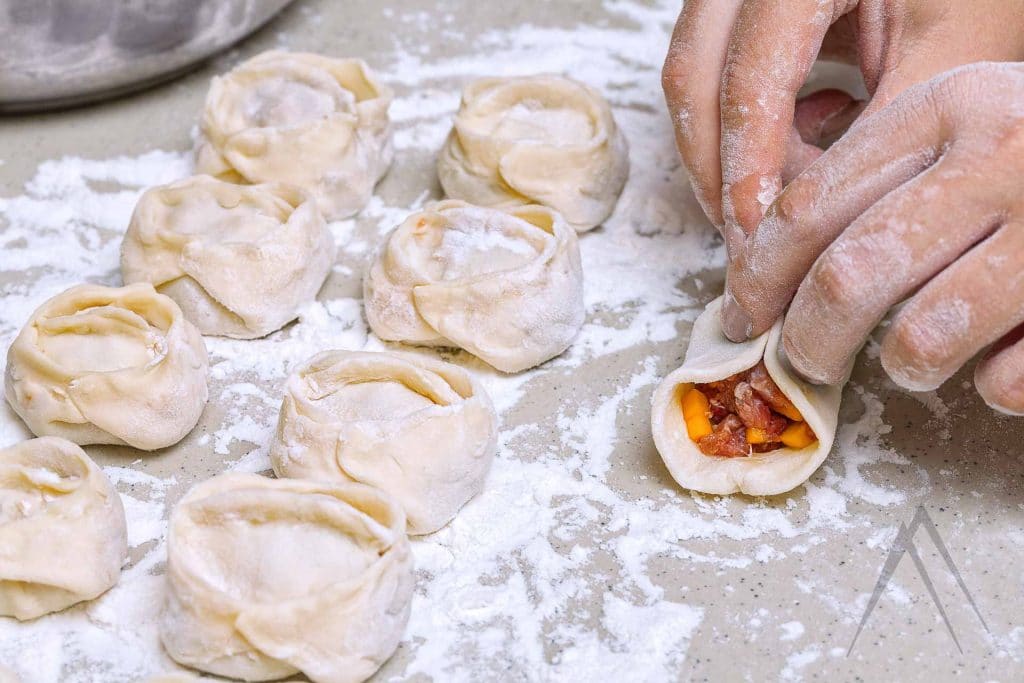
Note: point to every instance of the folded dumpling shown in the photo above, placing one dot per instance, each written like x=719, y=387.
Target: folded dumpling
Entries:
x=272, y=577
x=240, y=260
x=301, y=118
x=735, y=418
x=536, y=140
x=62, y=528
x=113, y=365
x=506, y=285
x=421, y=429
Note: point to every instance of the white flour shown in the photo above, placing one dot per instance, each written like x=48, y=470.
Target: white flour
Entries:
x=553, y=572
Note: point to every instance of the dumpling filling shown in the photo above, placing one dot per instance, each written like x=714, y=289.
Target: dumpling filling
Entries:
x=742, y=415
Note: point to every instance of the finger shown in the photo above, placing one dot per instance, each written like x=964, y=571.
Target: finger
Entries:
x=968, y=306
x=861, y=168
x=691, y=78
x=932, y=43
x=825, y=113
x=773, y=47
x=817, y=118
x=886, y=254
x=999, y=376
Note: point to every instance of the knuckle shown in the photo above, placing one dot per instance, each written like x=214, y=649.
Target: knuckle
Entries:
x=680, y=64
x=835, y=282
x=914, y=348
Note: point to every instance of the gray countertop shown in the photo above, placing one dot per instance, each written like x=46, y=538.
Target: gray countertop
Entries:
x=582, y=560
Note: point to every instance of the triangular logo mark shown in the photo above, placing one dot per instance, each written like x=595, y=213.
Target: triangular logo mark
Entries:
x=904, y=545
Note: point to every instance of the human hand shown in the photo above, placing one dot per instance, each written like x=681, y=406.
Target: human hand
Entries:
x=735, y=66
x=922, y=200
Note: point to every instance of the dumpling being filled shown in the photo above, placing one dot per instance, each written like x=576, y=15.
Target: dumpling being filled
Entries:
x=506, y=285
x=62, y=528
x=420, y=429
x=240, y=260
x=300, y=118
x=736, y=419
x=108, y=365
x=536, y=140
x=271, y=577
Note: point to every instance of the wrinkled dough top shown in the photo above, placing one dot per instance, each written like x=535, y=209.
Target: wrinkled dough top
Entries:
x=467, y=242
x=222, y=214
x=266, y=556
x=31, y=480
x=533, y=121
x=285, y=96
x=100, y=339
x=283, y=101
x=377, y=399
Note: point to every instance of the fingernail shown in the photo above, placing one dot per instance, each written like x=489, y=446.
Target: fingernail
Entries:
x=736, y=322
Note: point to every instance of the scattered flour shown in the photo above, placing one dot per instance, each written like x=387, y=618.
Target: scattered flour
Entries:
x=551, y=572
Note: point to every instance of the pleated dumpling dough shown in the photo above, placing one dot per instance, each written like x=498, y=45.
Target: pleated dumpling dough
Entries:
x=301, y=118
x=712, y=357
x=240, y=260
x=506, y=285
x=421, y=429
x=270, y=577
x=112, y=365
x=536, y=140
x=62, y=528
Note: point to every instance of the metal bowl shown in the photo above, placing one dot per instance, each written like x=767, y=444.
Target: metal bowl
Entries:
x=55, y=53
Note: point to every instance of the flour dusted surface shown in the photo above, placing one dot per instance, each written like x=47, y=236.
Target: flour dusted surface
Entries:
x=581, y=558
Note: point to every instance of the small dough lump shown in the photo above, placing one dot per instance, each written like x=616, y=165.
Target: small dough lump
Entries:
x=62, y=528
x=240, y=260
x=421, y=429
x=301, y=118
x=108, y=365
x=536, y=140
x=506, y=285
x=272, y=577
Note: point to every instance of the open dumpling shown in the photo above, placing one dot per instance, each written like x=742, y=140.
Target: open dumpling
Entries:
x=272, y=577
x=422, y=430
x=301, y=118
x=62, y=528
x=507, y=286
x=112, y=365
x=542, y=139
x=736, y=419
x=240, y=260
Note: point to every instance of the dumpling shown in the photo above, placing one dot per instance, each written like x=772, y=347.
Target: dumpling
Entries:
x=735, y=418
x=301, y=118
x=423, y=430
x=536, y=140
x=271, y=577
x=108, y=365
x=507, y=286
x=62, y=528
x=240, y=260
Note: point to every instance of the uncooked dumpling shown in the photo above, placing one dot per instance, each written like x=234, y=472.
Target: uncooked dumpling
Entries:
x=272, y=577
x=240, y=260
x=536, y=140
x=422, y=430
x=301, y=118
x=108, y=365
x=506, y=285
x=711, y=358
x=62, y=528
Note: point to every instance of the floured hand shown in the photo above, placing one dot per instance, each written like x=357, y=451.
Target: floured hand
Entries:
x=922, y=201
x=735, y=67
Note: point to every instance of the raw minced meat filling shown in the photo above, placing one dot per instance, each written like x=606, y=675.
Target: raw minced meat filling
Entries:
x=743, y=414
